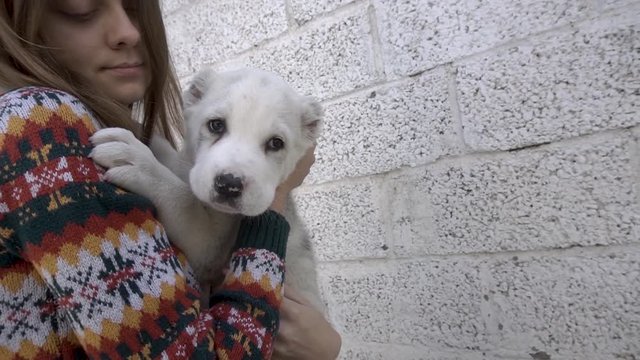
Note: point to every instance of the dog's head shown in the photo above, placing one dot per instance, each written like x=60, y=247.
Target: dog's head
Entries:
x=246, y=130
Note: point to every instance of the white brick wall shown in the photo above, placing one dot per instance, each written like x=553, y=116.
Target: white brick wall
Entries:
x=477, y=188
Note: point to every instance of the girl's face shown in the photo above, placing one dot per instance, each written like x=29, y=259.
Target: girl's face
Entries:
x=101, y=41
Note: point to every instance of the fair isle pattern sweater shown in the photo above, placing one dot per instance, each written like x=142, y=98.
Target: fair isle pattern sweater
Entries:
x=87, y=271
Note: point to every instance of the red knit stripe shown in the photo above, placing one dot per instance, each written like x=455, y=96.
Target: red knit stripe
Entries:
x=256, y=291
x=51, y=243
x=49, y=177
x=31, y=132
x=251, y=327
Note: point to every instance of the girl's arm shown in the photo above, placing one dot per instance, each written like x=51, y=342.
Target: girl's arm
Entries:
x=105, y=260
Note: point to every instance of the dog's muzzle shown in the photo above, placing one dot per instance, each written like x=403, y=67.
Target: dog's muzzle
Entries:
x=228, y=186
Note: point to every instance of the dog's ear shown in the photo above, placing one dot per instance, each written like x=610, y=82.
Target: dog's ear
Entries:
x=196, y=88
x=312, y=114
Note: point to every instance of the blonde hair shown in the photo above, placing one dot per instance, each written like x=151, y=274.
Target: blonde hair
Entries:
x=24, y=61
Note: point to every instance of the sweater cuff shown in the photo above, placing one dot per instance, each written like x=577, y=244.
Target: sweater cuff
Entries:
x=268, y=230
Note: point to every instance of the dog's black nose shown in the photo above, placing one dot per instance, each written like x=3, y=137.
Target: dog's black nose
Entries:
x=228, y=185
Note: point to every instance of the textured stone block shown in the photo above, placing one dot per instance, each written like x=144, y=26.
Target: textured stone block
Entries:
x=211, y=31
x=438, y=302
x=345, y=222
x=635, y=156
x=357, y=351
x=169, y=6
x=402, y=124
x=304, y=11
x=418, y=35
x=328, y=59
x=360, y=299
x=605, y=5
x=414, y=229
x=567, y=194
x=580, y=306
x=373, y=351
x=557, y=86
x=546, y=81
x=432, y=303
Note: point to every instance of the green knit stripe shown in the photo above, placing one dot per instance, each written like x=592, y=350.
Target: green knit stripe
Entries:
x=85, y=201
x=268, y=230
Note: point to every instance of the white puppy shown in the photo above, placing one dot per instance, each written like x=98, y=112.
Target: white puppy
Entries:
x=245, y=132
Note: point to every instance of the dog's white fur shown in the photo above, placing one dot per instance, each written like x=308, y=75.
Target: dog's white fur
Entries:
x=201, y=216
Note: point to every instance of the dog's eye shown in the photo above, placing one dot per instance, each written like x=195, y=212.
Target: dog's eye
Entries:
x=275, y=144
x=216, y=126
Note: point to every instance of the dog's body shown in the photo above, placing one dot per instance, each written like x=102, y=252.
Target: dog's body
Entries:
x=246, y=130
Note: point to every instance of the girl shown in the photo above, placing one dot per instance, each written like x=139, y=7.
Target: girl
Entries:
x=85, y=268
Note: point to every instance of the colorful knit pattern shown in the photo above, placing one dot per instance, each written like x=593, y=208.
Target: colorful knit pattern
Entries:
x=87, y=271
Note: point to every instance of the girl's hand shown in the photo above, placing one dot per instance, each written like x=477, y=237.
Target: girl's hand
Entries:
x=304, y=332
x=293, y=181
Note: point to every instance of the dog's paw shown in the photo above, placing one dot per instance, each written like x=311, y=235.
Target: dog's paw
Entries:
x=129, y=163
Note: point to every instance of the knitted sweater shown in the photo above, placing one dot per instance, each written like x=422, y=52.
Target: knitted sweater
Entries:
x=86, y=270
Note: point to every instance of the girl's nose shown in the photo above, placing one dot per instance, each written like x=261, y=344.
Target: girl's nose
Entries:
x=122, y=30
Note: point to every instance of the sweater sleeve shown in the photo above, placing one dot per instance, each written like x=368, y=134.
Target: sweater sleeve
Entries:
x=107, y=261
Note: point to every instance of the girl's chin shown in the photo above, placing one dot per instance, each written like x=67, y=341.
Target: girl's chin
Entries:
x=124, y=90
x=127, y=96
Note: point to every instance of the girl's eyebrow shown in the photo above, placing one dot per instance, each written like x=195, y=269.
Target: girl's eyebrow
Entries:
x=75, y=3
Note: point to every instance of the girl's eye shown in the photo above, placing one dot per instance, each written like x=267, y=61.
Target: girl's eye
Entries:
x=130, y=7
x=80, y=17
x=216, y=126
x=275, y=144
x=132, y=10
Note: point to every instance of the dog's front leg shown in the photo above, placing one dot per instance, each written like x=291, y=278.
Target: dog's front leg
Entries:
x=189, y=225
x=177, y=162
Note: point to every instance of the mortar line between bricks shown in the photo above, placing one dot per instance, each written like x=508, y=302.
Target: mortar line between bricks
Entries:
x=478, y=155
x=381, y=197
x=376, y=44
x=455, y=106
x=382, y=81
x=440, y=349
x=487, y=308
x=635, y=165
x=501, y=46
x=292, y=24
x=331, y=17
x=592, y=18
x=575, y=251
x=373, y=86
x=433, y=349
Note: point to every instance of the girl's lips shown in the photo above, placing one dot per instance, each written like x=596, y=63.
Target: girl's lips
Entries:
x=126, y=70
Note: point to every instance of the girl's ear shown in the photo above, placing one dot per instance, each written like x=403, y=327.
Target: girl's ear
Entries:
x=312, y=114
